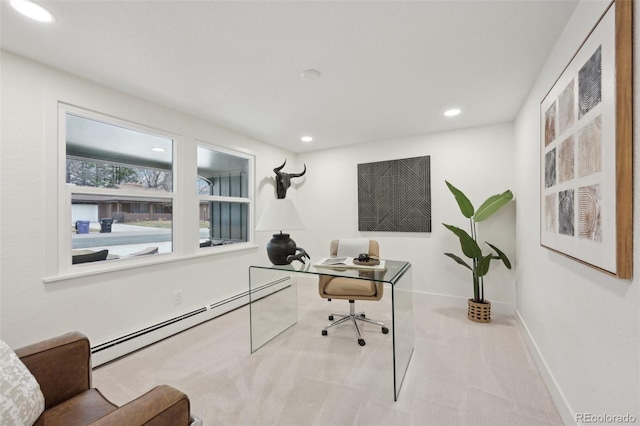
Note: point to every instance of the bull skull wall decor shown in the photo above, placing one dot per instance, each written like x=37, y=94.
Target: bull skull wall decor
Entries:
x=283, y=179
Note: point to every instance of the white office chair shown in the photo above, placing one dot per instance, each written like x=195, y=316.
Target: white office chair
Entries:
x=351, y=289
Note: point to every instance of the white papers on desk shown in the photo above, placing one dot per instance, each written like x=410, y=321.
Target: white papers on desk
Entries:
x=346, y=262
x=330, y=261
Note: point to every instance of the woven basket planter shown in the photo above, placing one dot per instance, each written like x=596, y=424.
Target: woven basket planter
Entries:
x=479, y=312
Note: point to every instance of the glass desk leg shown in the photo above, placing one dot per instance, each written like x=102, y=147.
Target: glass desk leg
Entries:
x=273, y=304
x=402, y=312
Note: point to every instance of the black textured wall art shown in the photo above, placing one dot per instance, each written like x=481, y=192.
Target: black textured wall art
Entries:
x=395, y=195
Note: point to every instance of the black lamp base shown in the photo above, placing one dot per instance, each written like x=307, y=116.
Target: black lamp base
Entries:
x=279, y=248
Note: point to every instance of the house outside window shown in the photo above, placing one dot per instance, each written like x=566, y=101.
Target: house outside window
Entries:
x=119, y=189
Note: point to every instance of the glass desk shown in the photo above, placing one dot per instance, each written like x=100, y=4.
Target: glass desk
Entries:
x=273, y=305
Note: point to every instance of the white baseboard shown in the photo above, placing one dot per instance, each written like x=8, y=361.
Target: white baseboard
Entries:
x=566, y=413
x=435, y=299
x=125, y=345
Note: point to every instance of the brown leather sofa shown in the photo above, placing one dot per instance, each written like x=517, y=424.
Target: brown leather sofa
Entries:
x=62, y=367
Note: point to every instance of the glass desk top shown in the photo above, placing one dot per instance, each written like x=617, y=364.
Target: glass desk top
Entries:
x=391, y=274
x=273, y=304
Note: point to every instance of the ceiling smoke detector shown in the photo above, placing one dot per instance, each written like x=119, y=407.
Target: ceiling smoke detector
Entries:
x=310, y=74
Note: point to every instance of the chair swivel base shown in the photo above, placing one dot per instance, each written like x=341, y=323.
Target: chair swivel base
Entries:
x=354, y=317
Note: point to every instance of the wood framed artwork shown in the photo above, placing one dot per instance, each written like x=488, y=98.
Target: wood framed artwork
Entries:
x=395, y=195
x=586, y=155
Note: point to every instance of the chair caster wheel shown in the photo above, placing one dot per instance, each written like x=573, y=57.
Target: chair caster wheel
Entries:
x=385, y=330
x=330, y=317
x=361, y=342
x=363, y=315
x=324, y=332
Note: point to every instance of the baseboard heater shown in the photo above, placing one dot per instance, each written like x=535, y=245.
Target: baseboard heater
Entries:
x=124, y=345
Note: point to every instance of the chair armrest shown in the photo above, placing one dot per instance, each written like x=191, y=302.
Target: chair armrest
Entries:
x=61, y=366
x=161, y=406
x=323, y=280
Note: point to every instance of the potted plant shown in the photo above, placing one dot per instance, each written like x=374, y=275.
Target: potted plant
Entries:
x=479, y=308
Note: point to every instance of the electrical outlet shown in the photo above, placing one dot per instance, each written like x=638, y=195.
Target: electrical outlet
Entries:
x=177, y=297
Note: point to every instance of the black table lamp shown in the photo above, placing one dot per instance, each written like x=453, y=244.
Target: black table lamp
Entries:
x=280, y=215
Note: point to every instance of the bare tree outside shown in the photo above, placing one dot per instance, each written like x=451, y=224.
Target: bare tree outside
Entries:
x=102, y=174
x=204, y=186
x=155, y=179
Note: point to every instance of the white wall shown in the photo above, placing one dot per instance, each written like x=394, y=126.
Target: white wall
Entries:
x=478, y=161
x=583, y=326
x=107, y=305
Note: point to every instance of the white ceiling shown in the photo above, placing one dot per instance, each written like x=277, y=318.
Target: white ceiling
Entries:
x=388, y=68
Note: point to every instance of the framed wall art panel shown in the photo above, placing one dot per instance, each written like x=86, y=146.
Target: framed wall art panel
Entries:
x=395, y=195
x=586, y=158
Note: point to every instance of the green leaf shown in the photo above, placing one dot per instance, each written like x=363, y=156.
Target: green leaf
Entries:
x=463, y=202
x=458, y=260
x=492, y=205
x=501, y=255
x=483, y=266
x=469, y=246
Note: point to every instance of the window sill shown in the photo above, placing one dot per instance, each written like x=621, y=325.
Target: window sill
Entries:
x=120, y=265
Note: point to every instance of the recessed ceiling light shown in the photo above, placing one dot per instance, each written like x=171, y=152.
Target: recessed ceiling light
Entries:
x=452, y=112
x=158, y=149
x=306, y=139
x=32, y=10
x=310, y=74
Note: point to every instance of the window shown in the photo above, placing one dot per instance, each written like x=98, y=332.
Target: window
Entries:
x=126, y=190
x=224, y=193
x=119, y=189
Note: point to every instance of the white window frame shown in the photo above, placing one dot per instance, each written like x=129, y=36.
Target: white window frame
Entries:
x=226, y=199
x=65, y=191
x=185, y=200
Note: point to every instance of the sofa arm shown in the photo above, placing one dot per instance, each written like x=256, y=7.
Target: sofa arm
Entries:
x=61, y=366
x=161, y=406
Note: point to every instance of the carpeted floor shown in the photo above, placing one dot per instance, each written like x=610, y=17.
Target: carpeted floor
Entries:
x=461, y=373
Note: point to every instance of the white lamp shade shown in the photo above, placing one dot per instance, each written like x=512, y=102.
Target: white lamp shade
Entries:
x=280, y=215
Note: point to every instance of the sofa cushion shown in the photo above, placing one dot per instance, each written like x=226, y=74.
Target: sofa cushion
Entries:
x=82, y=409
x=21, y=400
x=90, y=257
